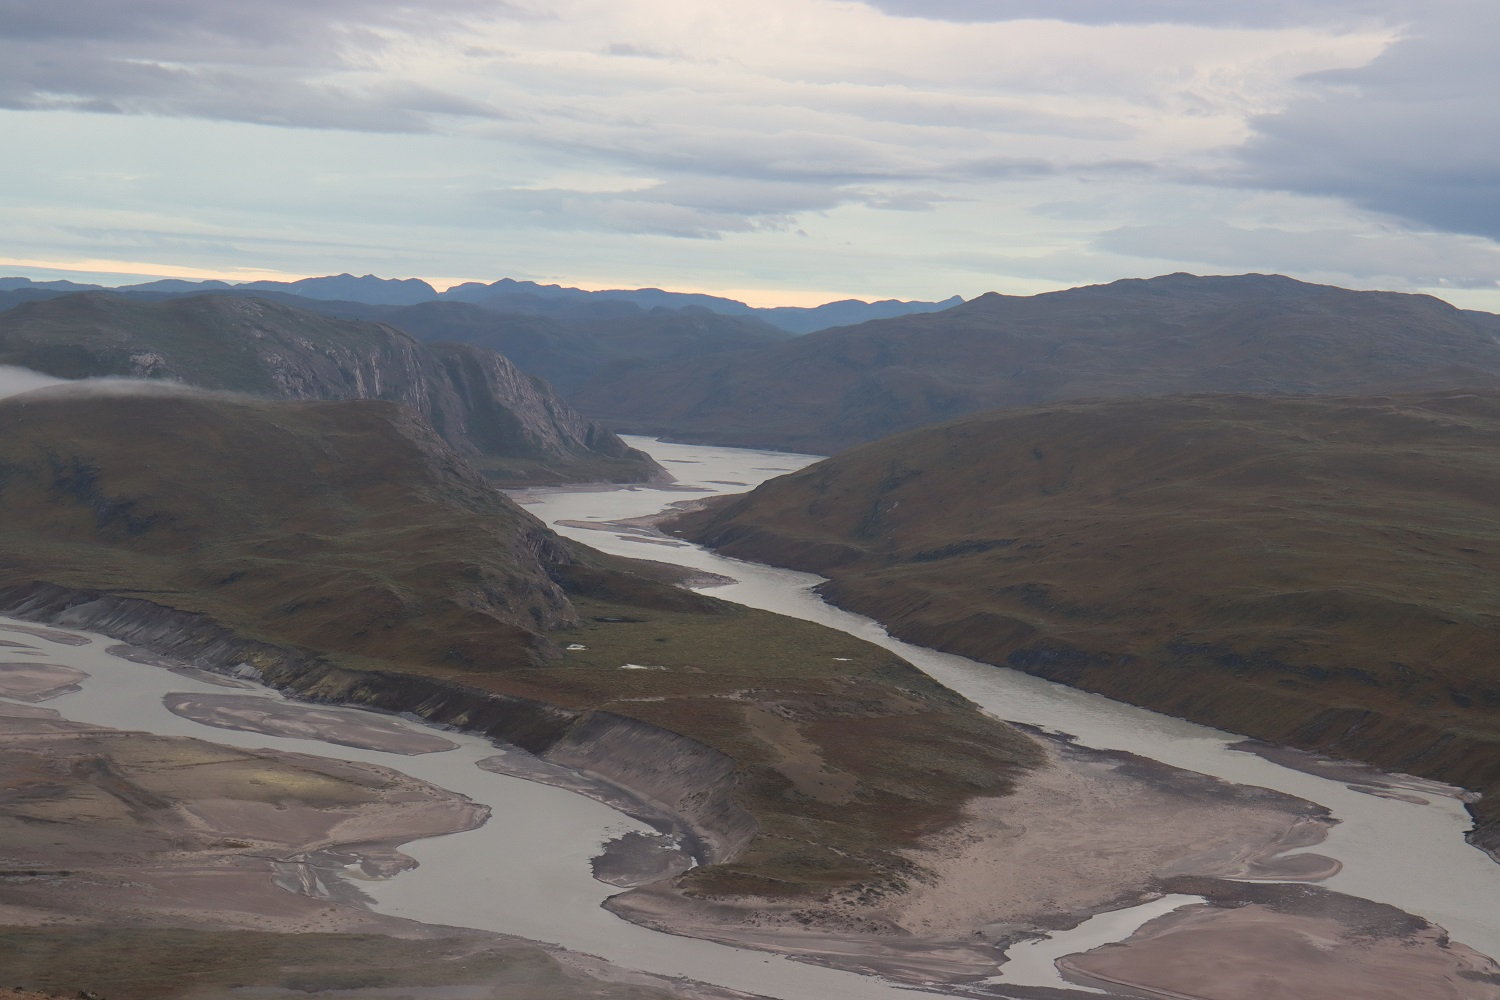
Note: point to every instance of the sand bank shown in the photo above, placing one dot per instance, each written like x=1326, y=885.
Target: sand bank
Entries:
x=1086, y=833
x=162, y=831
x=1274, y=942
x=257, y=714
x=140, y=866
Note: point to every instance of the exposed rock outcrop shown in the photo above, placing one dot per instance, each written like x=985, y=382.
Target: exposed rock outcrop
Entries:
x=509, y=423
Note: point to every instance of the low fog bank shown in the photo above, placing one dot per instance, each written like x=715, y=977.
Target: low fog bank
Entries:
x=14, y=381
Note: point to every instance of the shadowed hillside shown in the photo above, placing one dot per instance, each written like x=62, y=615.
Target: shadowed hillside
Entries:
x=1320, y=572
x=569, y=343
x=512, y=425
x=1175, y=334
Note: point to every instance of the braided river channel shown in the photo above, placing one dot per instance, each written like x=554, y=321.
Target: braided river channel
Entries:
x=526, y=871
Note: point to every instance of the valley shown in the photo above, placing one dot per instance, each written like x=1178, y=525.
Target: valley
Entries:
x=1425, y=881
x=786, y=800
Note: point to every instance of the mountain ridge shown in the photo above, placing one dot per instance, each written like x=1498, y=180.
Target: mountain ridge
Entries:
x=504, y=295
x=511, y=423
x=1173, y=334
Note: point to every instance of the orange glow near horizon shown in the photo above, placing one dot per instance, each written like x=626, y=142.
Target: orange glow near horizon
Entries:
x=151, y=271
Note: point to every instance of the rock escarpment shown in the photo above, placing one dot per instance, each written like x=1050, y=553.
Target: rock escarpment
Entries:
x=511, y=424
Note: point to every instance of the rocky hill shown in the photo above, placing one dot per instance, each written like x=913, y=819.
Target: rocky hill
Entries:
x=511, y=424
x=1175, y=334
x=1319, y=572
x=352, y=556
x=568, y=344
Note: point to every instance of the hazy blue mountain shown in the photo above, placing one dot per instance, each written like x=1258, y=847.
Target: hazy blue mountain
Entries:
x=15, y=284
x=507, y=296
x=346, y=287
x=847, y=312
x=174, y=286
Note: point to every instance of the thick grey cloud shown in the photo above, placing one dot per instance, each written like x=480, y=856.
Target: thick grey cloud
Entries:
x=1415, y=134
x=273, y=62
x=1392, y=259
x=1215, y=13
x=281, y=24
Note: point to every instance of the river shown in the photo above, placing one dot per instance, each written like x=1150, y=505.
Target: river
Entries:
x=526, y=871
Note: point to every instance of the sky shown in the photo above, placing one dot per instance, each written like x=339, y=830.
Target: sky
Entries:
x=784, y=152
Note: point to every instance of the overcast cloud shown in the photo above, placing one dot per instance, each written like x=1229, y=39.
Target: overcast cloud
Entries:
x=784, y=150
x=1413, y=134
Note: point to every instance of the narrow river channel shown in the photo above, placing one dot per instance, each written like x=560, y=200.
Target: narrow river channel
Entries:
x=1410, y=854
x=526, y=871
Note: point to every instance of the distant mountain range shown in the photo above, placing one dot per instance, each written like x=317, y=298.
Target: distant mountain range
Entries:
x=1179, y=333
x=506, y=295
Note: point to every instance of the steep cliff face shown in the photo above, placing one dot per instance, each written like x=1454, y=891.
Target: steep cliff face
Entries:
x=512, y=425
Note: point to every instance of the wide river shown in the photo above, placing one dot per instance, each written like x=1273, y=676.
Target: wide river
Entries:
x=526, y=871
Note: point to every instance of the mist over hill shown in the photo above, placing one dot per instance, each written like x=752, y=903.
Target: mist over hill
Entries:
x=1174, y=334
x=510, y=423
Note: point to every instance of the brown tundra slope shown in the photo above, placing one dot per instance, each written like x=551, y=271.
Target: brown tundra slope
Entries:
x=1323, y=572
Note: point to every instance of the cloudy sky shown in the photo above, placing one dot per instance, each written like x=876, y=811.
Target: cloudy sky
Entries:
x=782, y=151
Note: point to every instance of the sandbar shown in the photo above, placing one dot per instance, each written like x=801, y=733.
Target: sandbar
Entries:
x=1089, y=831
x=1287, y=941
x=255, y=714
x=37, y=681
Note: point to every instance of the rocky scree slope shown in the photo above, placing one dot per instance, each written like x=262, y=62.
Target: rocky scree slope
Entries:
x=1320, y=572
x=1174, y=334
x=510, y=424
